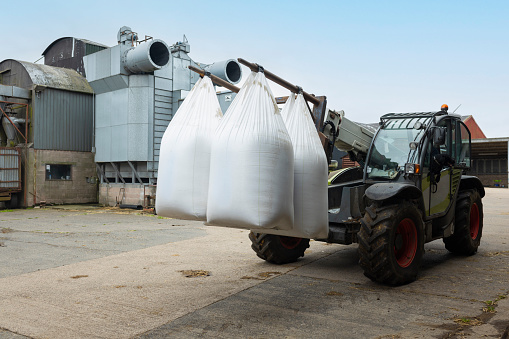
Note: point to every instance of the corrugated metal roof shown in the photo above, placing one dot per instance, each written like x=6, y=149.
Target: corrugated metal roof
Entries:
x=56, y=77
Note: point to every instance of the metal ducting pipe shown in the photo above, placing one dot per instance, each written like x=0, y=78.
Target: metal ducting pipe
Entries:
x=9, y=129
x=147, y=57
x=228, y=70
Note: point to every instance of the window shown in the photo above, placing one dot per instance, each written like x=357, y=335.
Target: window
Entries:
x=58, y=172
x=391, y=148
x=464, y=152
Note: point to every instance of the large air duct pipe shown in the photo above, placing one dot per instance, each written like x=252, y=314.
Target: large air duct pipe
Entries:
x=146, y=57
x=228, y=70
x=10, y=129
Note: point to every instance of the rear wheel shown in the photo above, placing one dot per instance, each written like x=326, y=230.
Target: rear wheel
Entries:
x=391, y=243
x=468, y=224
x=278, y=249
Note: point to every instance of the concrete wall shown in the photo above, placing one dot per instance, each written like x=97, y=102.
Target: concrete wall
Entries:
x=82, y=188
x=131, y=194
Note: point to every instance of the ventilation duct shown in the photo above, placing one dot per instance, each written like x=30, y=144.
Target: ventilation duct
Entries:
x=146, y=57
x=228, y=70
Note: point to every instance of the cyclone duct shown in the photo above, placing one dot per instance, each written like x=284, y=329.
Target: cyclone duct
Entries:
x=228, y=70
x=146, y=57
x=139, y=85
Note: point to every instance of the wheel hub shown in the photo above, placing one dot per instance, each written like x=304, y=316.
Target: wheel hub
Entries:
x=398, y=242
x=474, y=221
x=289, y=242
x=405, y=242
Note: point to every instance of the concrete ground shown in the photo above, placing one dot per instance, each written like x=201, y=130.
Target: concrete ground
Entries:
x=107, y=273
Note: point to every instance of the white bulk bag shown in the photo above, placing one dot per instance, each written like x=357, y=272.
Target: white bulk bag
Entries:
x=288, y=107
x=184, y=159
x=251, y=168
x=311, y=172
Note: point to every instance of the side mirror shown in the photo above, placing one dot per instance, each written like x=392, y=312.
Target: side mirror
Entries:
x=439, y=136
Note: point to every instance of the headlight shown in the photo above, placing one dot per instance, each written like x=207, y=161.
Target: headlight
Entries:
x=412, y=168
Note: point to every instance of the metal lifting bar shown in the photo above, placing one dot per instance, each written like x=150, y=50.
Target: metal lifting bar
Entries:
x=319, y=103
x=280, y=81
x=218, y=81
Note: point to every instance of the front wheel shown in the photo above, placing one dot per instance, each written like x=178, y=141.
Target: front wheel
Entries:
x=468, y=224
x=391, y=243
x=278, y=249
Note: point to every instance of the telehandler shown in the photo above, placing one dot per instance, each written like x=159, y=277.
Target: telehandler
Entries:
x=410, y=188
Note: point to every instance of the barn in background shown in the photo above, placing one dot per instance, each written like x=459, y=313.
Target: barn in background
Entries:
x=56, y=138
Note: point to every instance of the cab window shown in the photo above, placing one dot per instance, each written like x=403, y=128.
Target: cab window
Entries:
x=463, y=146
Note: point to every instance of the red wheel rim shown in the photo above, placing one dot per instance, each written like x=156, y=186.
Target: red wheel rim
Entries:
x=405, y=244
x=290, y=242
x=474, y=221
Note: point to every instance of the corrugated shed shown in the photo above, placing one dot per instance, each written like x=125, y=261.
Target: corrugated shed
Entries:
x=56, y=77
x=29, y=75
x=62, y=120
x=88, y=42
x=68, y=52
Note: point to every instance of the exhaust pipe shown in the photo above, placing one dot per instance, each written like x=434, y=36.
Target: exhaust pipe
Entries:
x=147, y=57
x=228, y=70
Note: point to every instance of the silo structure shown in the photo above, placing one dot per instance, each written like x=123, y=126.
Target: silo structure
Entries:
x=138, y=86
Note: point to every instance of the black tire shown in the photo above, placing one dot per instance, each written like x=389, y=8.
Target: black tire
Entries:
x=468, y=224
x=391, y=243
x=278, y=249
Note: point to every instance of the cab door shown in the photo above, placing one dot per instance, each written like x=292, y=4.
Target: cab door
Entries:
x=437, y=188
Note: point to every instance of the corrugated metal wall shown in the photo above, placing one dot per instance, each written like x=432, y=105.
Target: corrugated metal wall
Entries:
x=162, y=113
x=90, y=49
x=62, y=120
x=10, y=169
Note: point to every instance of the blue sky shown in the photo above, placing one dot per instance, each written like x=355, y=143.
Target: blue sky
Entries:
x=368, y=57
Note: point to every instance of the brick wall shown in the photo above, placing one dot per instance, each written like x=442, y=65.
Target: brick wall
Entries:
x=81, y=188
x=488, y=180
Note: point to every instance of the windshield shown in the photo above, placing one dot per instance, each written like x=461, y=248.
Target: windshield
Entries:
x=391, y=147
